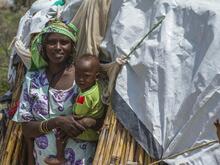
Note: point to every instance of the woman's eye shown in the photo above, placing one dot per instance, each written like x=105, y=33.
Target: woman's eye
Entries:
x=51, y=42
x=65, y=42
x=62, y=42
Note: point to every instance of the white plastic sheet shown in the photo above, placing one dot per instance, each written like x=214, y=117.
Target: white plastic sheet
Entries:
x=169, y=90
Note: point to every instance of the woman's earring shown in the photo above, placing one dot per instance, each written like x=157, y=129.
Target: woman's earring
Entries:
x=74, y=49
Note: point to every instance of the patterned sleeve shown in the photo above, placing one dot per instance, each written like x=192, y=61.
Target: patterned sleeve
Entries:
x=23, y=113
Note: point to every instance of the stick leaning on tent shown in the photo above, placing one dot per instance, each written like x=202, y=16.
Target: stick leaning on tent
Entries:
x=113, y=69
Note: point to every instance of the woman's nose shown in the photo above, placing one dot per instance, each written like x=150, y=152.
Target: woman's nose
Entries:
x=58, y=45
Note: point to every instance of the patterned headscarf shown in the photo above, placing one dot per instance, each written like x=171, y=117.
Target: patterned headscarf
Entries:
x=69, y=30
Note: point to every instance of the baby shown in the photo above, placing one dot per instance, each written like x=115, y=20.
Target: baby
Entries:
x=88, y=107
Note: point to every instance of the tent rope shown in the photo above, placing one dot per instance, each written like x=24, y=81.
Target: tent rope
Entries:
x=185, y=151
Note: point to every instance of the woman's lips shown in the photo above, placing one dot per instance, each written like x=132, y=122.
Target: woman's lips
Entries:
x=58, y=55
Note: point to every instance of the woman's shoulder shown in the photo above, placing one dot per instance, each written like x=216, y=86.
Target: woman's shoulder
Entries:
x=36, y=74
x=70, y=68
x=70, y=71
x=33, y=72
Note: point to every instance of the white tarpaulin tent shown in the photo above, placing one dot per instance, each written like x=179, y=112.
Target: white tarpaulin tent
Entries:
x=168, y=93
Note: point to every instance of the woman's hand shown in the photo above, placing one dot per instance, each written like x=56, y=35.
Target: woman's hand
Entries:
x=70, y=126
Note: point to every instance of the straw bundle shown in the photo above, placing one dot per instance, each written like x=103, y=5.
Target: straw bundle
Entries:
x=12, y=148
x=117, y=147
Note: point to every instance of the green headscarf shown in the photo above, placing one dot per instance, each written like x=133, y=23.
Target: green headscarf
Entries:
x=69, y=30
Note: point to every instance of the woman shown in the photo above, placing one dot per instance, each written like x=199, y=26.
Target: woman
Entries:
x=48, y=94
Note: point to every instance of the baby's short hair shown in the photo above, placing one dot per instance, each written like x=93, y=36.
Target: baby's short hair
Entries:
x=88, y=57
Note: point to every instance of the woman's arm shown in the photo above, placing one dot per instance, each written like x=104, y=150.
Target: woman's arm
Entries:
x=31, y=129
x=67, y=124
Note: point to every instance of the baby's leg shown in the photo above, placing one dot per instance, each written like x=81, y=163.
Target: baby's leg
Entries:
x=59, y=159
x=30, y=149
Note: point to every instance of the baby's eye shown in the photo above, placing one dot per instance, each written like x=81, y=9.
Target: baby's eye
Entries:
x=85, y=75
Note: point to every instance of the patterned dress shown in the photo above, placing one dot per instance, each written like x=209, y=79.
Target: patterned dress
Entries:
x=34, y=106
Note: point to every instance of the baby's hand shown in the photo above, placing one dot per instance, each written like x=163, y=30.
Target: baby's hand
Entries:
x=87, y=122
x=121, y=60
x=217, y=125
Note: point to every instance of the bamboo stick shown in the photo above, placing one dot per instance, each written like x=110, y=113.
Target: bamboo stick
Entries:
x=11, y=145
x=110, y=139
x=102, y=153
x=17, y=148
x=11, y=126
x=140, y=155
x=100, y=146
x=122, y=161
x=108, y=117
x=103, y=138
x=146, y=159
x=131, y=152
x=128, y=144
x=114, y=159
x=119, y=154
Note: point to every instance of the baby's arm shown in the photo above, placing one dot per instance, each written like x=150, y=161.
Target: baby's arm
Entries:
x=87, y=122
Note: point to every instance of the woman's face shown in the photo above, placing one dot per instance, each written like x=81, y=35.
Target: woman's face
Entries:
x=58, y=48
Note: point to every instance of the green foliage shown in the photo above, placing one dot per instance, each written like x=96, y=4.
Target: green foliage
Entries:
x=8, y=28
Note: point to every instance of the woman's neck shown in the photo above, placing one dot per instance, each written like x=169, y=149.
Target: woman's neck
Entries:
x=55, y=68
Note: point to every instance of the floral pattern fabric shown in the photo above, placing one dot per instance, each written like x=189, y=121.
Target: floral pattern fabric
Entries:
x=34, y=106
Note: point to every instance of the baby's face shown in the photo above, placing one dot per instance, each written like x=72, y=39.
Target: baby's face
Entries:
x=85, y=74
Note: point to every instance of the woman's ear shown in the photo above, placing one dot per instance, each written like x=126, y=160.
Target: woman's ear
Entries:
x=73, y=48
x=43, y=53
x=97, y=75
